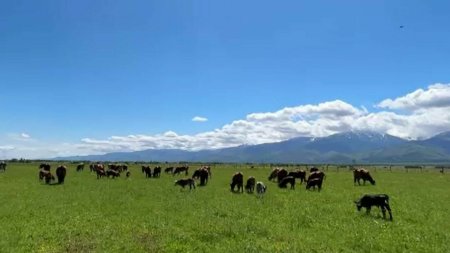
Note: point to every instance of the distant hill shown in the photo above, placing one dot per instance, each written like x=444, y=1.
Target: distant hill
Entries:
x=358, y=146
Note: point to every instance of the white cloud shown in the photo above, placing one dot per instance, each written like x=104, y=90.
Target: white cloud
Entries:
x=25, y=136
x=436, y=96
x=427, y=113
x=199, y=119
x=6, y=148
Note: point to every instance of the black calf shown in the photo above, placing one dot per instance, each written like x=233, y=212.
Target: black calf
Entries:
x=380, y=200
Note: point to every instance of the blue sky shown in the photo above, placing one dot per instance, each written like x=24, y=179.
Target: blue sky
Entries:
x=73, y=73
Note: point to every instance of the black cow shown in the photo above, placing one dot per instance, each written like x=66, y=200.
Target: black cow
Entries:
x=250, y=185
x=313, y=183
x=80, y=167
x=273, y=174
x=196, y=174
x=61, y=174
x=178, y=170
x=128, y=174
x=379, y=200
x=287, y=180
x=315, y=179
x=186, y=181
x=3, y=166
x=157, y=171
x=168, y=170
x=300, y=174
x=147, y=170
x=237, y=180
x=363, y=174
x=112, y=173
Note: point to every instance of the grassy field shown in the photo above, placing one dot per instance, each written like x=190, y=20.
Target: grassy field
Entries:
x=152, y=215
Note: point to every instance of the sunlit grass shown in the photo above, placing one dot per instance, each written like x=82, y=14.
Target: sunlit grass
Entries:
x=153, y=215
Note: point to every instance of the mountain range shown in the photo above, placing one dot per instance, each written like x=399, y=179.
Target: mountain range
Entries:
x=346, y=147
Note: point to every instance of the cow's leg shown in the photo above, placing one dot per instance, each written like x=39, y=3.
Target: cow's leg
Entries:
x=383, y=211
x=389, y=210
x=368, y=210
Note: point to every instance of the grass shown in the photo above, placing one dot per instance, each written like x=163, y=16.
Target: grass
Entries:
x=152, y=215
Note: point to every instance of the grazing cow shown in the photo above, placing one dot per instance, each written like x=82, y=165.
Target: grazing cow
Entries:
x=196, y=174
x=363, y=174
x=80, y=167
x=178, y=170
x=273, y=174
x=260, y=188
x=201, y=174
x=250, y=185
x=287, y=180
x=147, y=170
x=3, y=166
x=380, y=200
x=315, y=179
x=237, y=180
x=186, y=181
x=112, y=173
x=157, y=171
x=300, y=174
x=61, y=174
x=128, y=174
x=281, y=175
x=313, y=183
x=168, y=170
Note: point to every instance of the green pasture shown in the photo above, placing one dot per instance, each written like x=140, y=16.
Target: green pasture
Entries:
x=153, y=215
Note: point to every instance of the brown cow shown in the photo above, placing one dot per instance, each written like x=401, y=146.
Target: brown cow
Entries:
x=250, y=185
x=46, y=175
x=237, y=180
x=186, y=181
x=363, y=174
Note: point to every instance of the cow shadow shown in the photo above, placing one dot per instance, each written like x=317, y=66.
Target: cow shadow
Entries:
x=55, y=184
x=377, y=217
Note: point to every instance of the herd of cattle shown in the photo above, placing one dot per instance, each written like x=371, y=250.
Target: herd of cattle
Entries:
x=281, y=176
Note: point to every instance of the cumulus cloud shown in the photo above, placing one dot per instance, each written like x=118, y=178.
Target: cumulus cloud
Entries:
x=425, y=113
x=199, y=119
x=436, y=96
